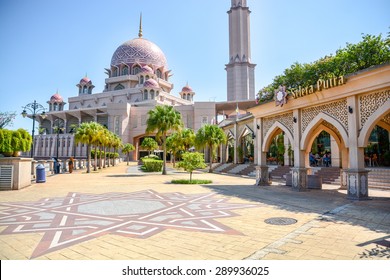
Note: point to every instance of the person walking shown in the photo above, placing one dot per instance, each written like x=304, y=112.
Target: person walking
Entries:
x=70, y=164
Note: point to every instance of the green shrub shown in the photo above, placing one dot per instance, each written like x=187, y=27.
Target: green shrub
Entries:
x=151, y=156
x=184, y=181
x=15, y=140
x=152, y=165
x=5, y=141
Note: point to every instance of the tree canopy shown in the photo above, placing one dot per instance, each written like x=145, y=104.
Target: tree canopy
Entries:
x=149, y=144
x=210, y=136
x=371, y=51
x=6, y=118
x=161, y=120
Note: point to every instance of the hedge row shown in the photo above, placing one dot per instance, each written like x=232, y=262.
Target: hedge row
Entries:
x=109, y=155
x=152, y=165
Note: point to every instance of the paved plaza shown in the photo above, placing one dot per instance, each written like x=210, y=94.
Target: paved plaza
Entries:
x=121, y=213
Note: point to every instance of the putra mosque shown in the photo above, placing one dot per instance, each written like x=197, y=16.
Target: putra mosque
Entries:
x=138, y=80
x=346, y=119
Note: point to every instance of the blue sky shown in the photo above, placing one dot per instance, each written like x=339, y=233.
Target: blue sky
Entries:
x=48, y=45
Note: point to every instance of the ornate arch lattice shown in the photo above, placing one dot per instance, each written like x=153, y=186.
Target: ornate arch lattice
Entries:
x=338, y=110
x=328, y=121
x=285, y=119
x=272, y=131
x=370, y=103
x=380, y=116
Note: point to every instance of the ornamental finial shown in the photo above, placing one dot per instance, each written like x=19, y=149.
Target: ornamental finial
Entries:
x=140, y=27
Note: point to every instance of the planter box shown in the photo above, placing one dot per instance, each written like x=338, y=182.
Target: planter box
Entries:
x=314, y=182
x=21, y=175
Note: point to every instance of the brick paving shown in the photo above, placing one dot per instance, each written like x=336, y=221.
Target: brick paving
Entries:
x=121, y=214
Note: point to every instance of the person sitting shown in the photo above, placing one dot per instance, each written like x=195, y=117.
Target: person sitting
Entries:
x=312, y=159
x=326, y=159
x=374, y=160
x=318, y=159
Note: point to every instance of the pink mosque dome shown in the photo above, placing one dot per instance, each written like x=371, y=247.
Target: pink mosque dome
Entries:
x=187, y=89
x=151, y=83
x=139, y=50
x=85, y=80
x=56, y=98
x=146, y=70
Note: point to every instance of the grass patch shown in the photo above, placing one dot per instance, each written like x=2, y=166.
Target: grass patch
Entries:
x=183, y=181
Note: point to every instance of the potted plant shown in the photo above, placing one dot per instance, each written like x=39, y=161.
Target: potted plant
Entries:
x=14, y=141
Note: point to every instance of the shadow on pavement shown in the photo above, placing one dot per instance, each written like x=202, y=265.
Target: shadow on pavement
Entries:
x=373, y=214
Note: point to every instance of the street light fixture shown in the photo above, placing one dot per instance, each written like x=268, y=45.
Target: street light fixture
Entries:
x=34, y=108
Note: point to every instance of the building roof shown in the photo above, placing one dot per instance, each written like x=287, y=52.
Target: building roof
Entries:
x=141, y=51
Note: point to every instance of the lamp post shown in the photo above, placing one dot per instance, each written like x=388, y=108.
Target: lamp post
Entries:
x=34, y=108
x=58, y=128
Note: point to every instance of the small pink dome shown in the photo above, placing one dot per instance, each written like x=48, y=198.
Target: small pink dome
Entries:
x=85, y=80
x=151, y=83
x=56, y=98
x=187, y=89
x=146, y=70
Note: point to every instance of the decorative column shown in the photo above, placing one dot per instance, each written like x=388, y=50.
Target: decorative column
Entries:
x=299, y=171
x=262, y=175
x=235, y=159
x=356, y=174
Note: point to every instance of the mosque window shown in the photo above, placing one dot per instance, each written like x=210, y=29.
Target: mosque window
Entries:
x=136, y=70
x=85, y=89
x=55, y=107
x=159, y=74
x=115, y=72
x=147, y=77
x=184, y=96
x=119, y=87
x=141, y=79
x=204, y=120
x=157, y=93
x=125, y=71
x=152, y=94
x=145, y=94
x=188, y=97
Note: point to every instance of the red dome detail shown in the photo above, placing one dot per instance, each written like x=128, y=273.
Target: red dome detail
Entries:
x=187, y=89
x=85, y=80
x=146, y=70
x=56, y=98
x=151, y=83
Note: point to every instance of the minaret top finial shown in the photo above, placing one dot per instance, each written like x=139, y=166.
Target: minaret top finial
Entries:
x=140, y=27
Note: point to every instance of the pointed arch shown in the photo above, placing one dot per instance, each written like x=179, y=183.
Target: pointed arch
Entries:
x=307, y=134
x=245, y=131
x=230, y=135
x=119, y=87
x=318, y=130
x=272, y=132
x=371, y=122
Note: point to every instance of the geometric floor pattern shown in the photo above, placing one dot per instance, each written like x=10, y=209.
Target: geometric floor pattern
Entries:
x=78, y=217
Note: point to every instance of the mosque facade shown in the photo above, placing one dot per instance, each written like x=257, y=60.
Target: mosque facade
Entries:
x=138, y=79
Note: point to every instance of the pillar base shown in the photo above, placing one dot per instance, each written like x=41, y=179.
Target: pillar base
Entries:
x=262, y=176
x=343, y=179
x=357, y=184
x=299, y=179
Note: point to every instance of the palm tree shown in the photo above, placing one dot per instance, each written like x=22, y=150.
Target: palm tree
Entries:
x=116, y=144
x=174, y=145
x=210, y=136
x=188, y=138
x=86, y=134
x=127, y=148
x=149, y=144
x=161, y=120
x=105, y=139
